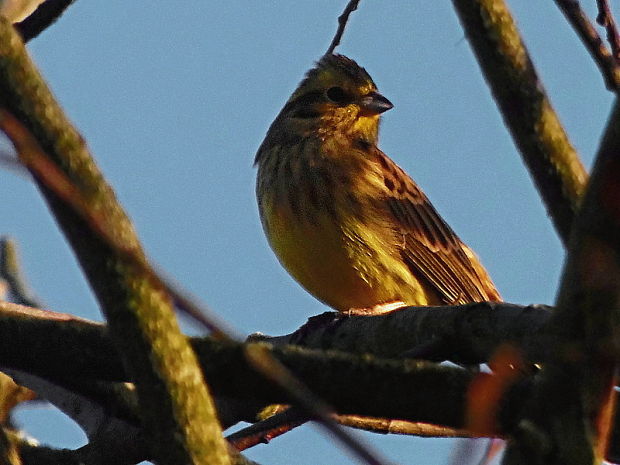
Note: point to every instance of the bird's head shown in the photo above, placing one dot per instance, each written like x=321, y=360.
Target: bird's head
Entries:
x=338, y=95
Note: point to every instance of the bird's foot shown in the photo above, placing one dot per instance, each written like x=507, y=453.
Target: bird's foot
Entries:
x=379, y=309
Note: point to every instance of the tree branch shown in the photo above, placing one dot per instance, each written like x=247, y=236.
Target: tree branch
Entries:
x=570, y=415
x=63, y=348
x=606, y=19
x=62, y=345
x=342, y=24
x=464, y=334
x=607, y=64
x=391, y=391
x=178, y=412
x=536, y=130
x=264, y=431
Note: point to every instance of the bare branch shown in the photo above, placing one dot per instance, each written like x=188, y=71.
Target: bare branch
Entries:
x=575, y=395
x=465, y=334
x=606, y=19
x=259, y=357
x=82, y=402
x=470, y=334
x=519, y=93
x=342, y=24
x=177, y=409
x=127, y=450
x=264, y=431
x=407, y=391
x=57, y=348
x=392, y=426
x=586, y=31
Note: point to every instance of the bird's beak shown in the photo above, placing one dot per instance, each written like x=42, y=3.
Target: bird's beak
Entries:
x=375, y=103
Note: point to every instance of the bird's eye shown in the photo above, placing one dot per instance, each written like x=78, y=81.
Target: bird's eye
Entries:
x=336, y=94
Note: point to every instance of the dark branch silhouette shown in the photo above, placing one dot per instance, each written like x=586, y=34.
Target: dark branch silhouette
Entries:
x=342, y=24
x=384, y=384
x=42, y=18
x=606, y=19
x=578, y=19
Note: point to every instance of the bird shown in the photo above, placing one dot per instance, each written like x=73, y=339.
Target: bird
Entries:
x=346, y=221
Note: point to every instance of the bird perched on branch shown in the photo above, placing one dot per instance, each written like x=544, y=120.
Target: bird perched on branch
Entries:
x=344, y=220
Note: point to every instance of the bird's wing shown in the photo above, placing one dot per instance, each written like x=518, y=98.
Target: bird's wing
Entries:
x=429, y=246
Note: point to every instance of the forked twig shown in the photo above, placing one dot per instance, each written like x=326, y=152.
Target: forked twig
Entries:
x=342, y=24
x=593, y=42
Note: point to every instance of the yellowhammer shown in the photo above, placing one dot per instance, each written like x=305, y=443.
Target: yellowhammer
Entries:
x=345, y=221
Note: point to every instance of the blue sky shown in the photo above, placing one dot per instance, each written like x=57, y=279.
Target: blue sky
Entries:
x=174, y=98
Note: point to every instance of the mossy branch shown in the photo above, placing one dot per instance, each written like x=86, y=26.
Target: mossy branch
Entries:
x=536, y=130
x=61, y=345
x=178, y=412
x=58, y=347
x=570, y=415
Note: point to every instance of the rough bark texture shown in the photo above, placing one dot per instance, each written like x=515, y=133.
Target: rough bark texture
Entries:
x=520, y=96
x=176, y=407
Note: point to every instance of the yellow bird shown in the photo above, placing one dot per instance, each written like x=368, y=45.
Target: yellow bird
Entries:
x=343, y=219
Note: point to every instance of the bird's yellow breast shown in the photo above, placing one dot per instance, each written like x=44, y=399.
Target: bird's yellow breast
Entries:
x=341, y=262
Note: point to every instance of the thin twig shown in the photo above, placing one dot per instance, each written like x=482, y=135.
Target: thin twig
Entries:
x=403, y=427
x=606, y=19
x=342, y=24
x=593, y=42
x=264, y=431
x=259, y=358
x=573, y=403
